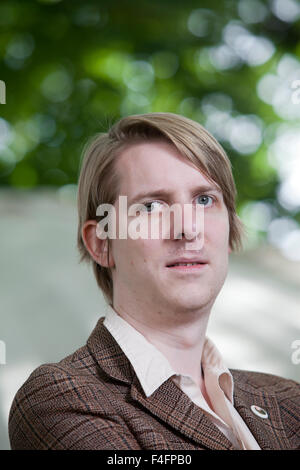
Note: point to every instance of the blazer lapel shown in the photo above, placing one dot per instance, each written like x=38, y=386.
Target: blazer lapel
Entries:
x=168, y=402
x=176, y=409
x=268, y=432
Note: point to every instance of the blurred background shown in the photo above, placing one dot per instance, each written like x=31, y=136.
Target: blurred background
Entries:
x=71, y=69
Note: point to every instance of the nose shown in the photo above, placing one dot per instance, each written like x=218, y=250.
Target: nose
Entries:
x=187, y=221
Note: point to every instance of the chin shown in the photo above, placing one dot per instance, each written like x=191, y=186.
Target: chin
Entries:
x=193, y=301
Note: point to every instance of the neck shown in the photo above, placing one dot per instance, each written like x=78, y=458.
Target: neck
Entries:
x=179, y=336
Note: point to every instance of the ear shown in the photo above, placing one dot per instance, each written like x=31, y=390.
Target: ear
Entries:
x=97, y=247
x=229, y=249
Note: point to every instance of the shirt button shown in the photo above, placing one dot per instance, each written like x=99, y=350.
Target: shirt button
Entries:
x=258, y=411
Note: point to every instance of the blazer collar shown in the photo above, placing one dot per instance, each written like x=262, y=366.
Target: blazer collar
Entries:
x=176, y=409
x=108, y=354
x=153, y=368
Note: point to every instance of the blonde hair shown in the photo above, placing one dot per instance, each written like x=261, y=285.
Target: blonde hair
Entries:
x=99, y=181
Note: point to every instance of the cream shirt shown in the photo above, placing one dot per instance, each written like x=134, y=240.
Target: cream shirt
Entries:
x=153, y=369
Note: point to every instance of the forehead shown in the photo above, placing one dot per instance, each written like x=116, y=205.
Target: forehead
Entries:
x=157, y=164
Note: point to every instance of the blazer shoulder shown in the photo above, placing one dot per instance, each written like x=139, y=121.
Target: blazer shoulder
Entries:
x=56, y=393
x=264, y=381
x=71, y=372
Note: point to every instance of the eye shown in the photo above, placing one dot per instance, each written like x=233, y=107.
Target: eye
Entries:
x=152, y=206
x=205, y=200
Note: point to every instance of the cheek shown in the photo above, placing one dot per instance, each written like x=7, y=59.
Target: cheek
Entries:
x=147, y=252
x=216, y=230
x=133, y=254
x=123, y=254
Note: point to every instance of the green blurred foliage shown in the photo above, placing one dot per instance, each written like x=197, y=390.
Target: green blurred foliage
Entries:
x=72, y=68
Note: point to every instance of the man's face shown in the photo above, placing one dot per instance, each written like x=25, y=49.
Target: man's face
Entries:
x=142, y=274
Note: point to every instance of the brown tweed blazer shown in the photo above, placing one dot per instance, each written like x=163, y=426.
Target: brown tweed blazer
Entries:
x=92, y=399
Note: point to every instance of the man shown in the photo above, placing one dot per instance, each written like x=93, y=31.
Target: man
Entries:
x=149, y=377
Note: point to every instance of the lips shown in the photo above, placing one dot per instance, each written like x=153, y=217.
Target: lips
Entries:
x=183, y=264
x=188, y=268
x=185, y=261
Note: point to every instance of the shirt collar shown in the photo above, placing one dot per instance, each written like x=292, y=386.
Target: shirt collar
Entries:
x=152, y=367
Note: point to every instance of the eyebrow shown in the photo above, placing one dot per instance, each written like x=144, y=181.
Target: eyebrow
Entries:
x=163, y=193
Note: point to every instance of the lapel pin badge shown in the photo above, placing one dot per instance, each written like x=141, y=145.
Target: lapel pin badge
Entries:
x=258, y=411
